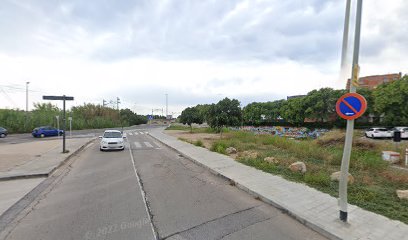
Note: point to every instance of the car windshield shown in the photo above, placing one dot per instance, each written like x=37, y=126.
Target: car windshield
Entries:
x=112, y=135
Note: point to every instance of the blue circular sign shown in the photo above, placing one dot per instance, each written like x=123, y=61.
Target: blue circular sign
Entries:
x=351, y=106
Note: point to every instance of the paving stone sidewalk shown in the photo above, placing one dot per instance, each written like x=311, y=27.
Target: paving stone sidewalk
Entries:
x=40, y=158
x=315, y=209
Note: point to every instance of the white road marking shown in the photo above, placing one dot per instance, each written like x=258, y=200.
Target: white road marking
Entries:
x=143, y=194
x=148, y=144
x=141, y=133
x=138, y=145
x=146, y=132
x=136, y=133
x=130, y=134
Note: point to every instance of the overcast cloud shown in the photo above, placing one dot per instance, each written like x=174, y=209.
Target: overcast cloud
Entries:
x=196, y=51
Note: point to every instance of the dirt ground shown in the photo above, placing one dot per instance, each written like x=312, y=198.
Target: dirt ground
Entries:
x=206, y=138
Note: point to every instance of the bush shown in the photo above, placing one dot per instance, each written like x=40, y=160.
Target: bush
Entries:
x=199, y=143
x=219, y=147
x=321, y=179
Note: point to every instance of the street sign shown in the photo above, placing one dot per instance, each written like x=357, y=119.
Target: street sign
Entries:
x=150, y=117
x=63, y=98
x=58, y=98
x=351, y=106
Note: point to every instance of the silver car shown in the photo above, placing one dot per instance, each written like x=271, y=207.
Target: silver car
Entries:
x=379, y=133
x=112, y=140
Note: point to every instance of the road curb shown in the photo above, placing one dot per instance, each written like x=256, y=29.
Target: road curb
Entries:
x=45, y=174
x=259, y=196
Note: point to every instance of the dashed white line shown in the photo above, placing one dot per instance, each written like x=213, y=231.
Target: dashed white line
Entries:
x=130, y=134
x=143, y=195
x=141, y=133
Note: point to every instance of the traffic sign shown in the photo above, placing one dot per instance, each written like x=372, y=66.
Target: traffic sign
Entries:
x=58, y=98
x=351, y=106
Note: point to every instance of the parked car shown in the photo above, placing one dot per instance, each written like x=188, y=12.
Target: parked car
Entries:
x=3, y=132
x=46, y=131
x=112, y=140
x=403, y=130
x=379, y=133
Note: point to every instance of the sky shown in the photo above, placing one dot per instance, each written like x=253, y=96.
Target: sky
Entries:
x=195, y=51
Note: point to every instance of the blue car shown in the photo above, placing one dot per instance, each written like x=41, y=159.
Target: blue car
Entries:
x=46, y=131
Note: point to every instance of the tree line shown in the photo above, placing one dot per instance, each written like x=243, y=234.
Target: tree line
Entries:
x=87, y=116
x=387, y=105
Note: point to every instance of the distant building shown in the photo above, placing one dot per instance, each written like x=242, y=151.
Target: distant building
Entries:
x=295, y=96
x=372, y=82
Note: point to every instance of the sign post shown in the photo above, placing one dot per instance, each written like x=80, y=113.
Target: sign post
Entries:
x=70, y=127
x=350, y=122
x=63, y=98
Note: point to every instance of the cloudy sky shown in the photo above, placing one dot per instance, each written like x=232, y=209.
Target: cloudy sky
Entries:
x=196, y=51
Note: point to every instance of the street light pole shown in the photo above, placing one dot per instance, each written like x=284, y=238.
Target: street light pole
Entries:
x=27, y=96
x=167, y=105
x=350, y=123
x=345, y=41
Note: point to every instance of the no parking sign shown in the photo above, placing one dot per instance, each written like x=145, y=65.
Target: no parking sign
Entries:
x=351, y=106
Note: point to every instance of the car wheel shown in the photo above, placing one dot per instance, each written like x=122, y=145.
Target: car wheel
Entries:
x=42, y=135
x=366, y=135
x=2, y=135
x=101, y=149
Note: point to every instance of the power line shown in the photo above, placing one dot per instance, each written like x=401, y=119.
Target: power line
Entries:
x=9, y=98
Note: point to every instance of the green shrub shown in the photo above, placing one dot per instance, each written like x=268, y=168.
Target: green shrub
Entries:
x=321, y=179
x=219, y=147
x=199, y=143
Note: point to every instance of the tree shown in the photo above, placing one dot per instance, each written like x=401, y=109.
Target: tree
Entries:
x=368, y=95
x=131, y=118
x=224, y=114
x=293, y=110
x=203, y=109
x=321, y=104
x=391, y=100
x=191, y=115
x=252, y=113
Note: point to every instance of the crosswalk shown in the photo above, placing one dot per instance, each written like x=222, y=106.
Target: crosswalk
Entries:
x=142, y=144
x=146, y=145
x=135, y=133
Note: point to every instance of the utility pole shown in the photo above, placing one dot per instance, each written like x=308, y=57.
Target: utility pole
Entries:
x=117, y=103
x=27, y=96
x=350, y=123
x=104, y=103
x=167, y=105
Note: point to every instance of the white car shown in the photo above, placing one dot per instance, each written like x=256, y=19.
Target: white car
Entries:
x=379, y=133
x=403, y=130
x=112, y=140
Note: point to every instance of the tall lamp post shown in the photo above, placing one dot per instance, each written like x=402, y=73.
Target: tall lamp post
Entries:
x=345, y=162
x=27, y=96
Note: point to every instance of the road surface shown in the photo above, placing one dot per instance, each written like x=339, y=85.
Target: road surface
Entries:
x=87, y=133
x=148, y=191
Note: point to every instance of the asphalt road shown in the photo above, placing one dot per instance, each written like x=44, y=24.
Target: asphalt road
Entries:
x=148, y=191
x=27, y=137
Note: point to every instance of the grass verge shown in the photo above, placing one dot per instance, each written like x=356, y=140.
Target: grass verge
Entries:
x=375, y=182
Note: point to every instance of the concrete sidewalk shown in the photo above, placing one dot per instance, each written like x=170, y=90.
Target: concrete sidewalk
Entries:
x=315, y=209
x=36, y=159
